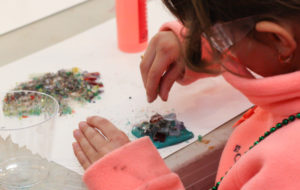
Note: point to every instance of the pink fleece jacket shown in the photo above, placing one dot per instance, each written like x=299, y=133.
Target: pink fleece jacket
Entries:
x=272, y=164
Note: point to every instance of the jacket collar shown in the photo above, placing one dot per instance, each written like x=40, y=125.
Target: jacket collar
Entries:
x=279, y=95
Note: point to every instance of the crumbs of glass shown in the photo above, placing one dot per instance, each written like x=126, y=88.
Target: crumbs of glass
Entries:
x=65, y=86
x=26, y=103
x=163, y=130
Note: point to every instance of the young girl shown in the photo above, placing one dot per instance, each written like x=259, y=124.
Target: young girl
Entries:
x=256, y=46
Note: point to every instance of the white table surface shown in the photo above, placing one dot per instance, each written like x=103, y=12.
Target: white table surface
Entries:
x=17, y=13
x=203, y=106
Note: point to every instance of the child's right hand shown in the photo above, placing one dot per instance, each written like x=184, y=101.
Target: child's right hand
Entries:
x=162, y=65
x=91, y=145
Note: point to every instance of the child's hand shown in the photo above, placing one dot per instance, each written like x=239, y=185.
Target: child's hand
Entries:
x=92, y=145
x=162, y=65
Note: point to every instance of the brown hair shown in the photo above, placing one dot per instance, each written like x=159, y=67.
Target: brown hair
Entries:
x=199, y=15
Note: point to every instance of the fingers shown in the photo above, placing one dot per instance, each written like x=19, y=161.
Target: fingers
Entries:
x=81, y=157
x=156, y=72
x=85, y=146
x=92, y=135
x=106, y=127
x=164, y=49
x=91, y=145
x=174, y=72
x=147, y=61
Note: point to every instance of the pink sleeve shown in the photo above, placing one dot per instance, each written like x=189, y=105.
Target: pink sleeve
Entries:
x=189, y=75
x=135, y=166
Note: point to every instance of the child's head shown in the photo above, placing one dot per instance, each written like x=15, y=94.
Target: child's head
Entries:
x=263, y=34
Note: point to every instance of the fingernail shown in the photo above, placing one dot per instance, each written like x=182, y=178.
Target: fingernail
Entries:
x=76, y=133
x=89, y=118
x=74, y=144
x=165, y=98
x=81, y=124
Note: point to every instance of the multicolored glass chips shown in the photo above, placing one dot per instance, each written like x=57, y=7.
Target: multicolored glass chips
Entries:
x=163, y=130
x=67, y=85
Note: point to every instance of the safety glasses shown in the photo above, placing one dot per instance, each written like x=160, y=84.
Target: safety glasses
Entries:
x=224, y=35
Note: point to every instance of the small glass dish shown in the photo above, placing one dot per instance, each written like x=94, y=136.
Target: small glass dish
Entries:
x=26, y=136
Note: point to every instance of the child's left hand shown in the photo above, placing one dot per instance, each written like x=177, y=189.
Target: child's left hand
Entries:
x=91, y=145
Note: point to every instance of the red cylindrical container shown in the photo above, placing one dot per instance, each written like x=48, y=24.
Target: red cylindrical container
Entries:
x=132, y=25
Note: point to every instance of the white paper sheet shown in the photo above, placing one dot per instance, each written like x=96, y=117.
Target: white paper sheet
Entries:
x=203, y=106
x=17, y=13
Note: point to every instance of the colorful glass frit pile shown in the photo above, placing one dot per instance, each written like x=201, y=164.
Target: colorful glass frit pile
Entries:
x=67, y=85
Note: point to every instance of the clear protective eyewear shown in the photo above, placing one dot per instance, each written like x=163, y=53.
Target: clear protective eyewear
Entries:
x=224, y=35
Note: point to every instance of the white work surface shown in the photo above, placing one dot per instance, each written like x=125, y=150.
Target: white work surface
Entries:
x=17, y=13
x=202, y=106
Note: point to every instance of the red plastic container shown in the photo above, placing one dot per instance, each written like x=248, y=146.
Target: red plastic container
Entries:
x=132, y=25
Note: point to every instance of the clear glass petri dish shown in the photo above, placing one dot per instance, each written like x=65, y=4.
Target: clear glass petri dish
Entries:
x=26, y=137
